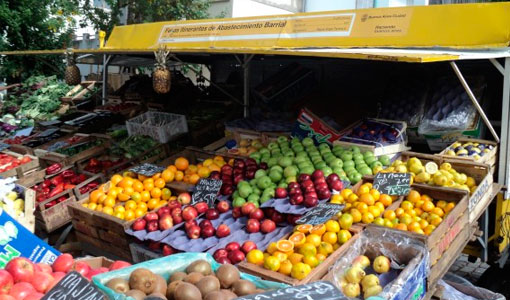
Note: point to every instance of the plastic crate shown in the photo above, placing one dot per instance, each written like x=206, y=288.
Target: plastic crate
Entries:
x=158, y=125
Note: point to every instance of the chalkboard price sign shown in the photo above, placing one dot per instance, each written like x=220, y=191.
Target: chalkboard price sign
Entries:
x=398, y=184
x=74, y=286
x=320, y=214
x=147, y=169
x=206, y=191
x=319, y=290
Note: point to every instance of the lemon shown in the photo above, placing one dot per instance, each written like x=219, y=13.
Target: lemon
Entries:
x=440, y=179
x=423, y=177
x=311, y=260
x=416, y=168
x=401, y=169
x=272, y=263
x=446, y=166
x=300, y=271
x=431, y=167
x=414, y=161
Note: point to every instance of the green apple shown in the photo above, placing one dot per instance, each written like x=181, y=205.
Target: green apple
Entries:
x=273, y=161
x=336, y=162
x=245, y=191
x=238, y=202
x=357, y=156
x=276, y=168
x=320, y=165
x=290, y=179
x=348, y=163
x=285, y=162
x=264, y=198
x=370, y=159
x=325, y=150
x=385, y=160
x=263, y=182
x=275, y=152
x=282, y=139
x=327, y=171
x=375, y=164
x=263, y=151
x=354, y=149
x=365, y=171
x=298, y=148
x=272, y=146
x=275, y=176
x=256, y=191
x=260, y=173
x=284, y=184
x=290, y=171
x=307, y=142
x=269, y=191
x=253, y=198
x=368, y=154
x=346, y=155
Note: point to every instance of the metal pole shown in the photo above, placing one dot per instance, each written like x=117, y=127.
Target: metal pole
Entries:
x=473, y=99
x=504, y=167
x=246, y=85
x=106, y=62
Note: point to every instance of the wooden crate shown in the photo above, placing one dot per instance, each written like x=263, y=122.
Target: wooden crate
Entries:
x=99, y=178
x=238, y=135
x=316, y=274
x=21, y=170
x=489, y=158
x=98, y=245
x=79, y=91
x=96, y=262
x=51, y=219
x=28, y=218
x=140, y=253
x=480, y=198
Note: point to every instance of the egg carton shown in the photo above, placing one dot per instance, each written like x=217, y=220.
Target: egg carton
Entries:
x=262, y=240
x=157, y=236
x=283, y=205
x=180, y=241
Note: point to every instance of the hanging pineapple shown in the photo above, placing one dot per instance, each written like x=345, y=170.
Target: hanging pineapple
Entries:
x=72, y=76
x=161, y=78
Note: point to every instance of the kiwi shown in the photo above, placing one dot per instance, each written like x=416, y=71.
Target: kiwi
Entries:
x=136, y=294
x=200, y=266
x=229, y=295
x=143, y=280
x=160, y=286
x=243, y=287
x=193, y=277
x=156, y=295
x=187, y=291
x=171, y=289
x=208, y=284
x=178, y=276
x=215, y=295
x=119, y=285
x=227, y=274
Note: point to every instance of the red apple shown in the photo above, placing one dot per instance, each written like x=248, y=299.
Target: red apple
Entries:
x=307, y=183
x=281, y=193
x=184, y=198
x=311, y=201
x=34, y=296
x=293, y=185
x=95, y=272
x=20, y=290
x=317, y=174
x=223, y=206
x=21, y=269
x=6, y=282
x=236, y=256
x=220, y=253
x=318, y=181
x=295, y=191
x=321, y=186
x=208, y=231
x=222, y=231
x=291, y=219
x=119, y=264
x=194, y=232
x=214, y=175
x=232, y=246
x=247, y=208
x=312, y=194
x=309, y=189
x=267, y=226
x=164, y=210
x=205, y=223
x=224, y=260
x=268, y=211
x=212, y=214
x=263, y=166
x=257, y=214
x=227, y=169
x=177, y=219
x=201, y=207
x=189, y=224
x=252, y=226
x=236, y=212
x=332, y=178
x=152, y=226
x=176, y=212
x=81, y=267
x=336, y=185
x=168, y=250
x=155, y=246
x=227, y=189
x=277, y=217
x=174, y=204
x=139, y=224
x=324, y=194
x=165, y=222
x=248, y=246
x=151, y=216
x=303, y=177
x=42, y=281
x=6, y=297
x=45, y=268
x=296, y=199
x=189, y=213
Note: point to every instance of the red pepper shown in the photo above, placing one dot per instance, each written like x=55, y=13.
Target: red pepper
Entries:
x=54, y=168
x=92, y=185
x=62, y=199
x=41, y=198
x=84, y=189
x=46, y=190
x=68, y=174
x=93, y=162
x=57, y=190
x=106, y=164
x=50, y=204
x=81, y=178
x=68, y=186
x=57, y=180
x=46, y=183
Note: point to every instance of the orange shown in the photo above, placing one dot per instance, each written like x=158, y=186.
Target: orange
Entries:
x=109, y=201
x=298, y=238
x=193, y=179
x=156, y=193
x=441, y=204
x=271, y=248
x=159, y=183
x=136, y=197
x=113, y=193
x=419, y=203
x=418, y=230
x=142, y=177
x=256, y=257
x=318, y=229
x=130, y=205
x=333, y=226
x=369, y=184
x=401, y=226
x=411, y=212
x=352, y=198
x=156, y=176
x=406, y=219
x=125, y=182
x=166, y=194
x=146, y=195
x=304, y=228
x=99, y=207
x=314, y=239
x=284, y=246
x=168, y=175
x=385, y=200
x=208, y=162
x=142, y=206
x=172, y=168
x=423, y=224
x=426, y=198
x=95, y=195
x=295, y=258
x=427, y=206
x=272, y=263
x=363, y=189
x=181, y=163
x=429, y=229
x=367, y=198
x=116, y=179
x=92, y=206
x=192, y=169
x=186, y=178
x=119, y=215
x=329, y=237
x=375, y=211
x=413, y=196
x=138, y=186
x=152, y=203
x=123, y=197
x=129, y=215
x=214, y=167
x=356, y=215
x=148, y=185
x=101, y=199
x=436, y=221
x=362, y=207
x=203, y=172
x=390, y=215
x=321, y=257
x=311, y=260
x=345, y=193
x=399, y=211
x=280, y=255
x=139, y=213
x=375, y=193
x=179, y=175
x=437, y=211
x=413, y=226
x=406, y=205
x=449, y=207
x=367, y=218
x=108, y=210
x=308, y=249
x=418, y=211
x=380, y=205
x=129, y=190
x=119, y=208
x=162, y=203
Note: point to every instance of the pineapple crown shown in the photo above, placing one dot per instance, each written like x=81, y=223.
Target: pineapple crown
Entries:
x=70, y=57
x=161, y=58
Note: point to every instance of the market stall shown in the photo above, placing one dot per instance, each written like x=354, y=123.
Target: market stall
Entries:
x=348, y=211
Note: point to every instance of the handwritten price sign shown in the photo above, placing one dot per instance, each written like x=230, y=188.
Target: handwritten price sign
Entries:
x=319, y=290
x=398, y=184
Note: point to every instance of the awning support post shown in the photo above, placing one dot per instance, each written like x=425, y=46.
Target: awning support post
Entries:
x=504, y=167
x=473, y=99
x=246, y=84
x=498, y=66
x=106, y=63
